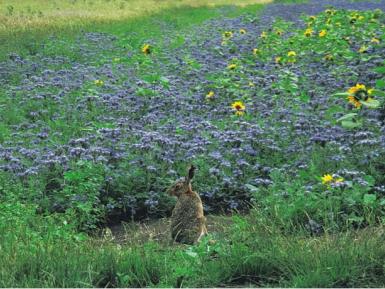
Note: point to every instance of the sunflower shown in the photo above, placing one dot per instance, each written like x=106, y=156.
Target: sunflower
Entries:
x=357, y=88
x=99, y=82
x=278, y=59
x=210, y=95
x=311, y=20
x=322, y=33
x=375, y=40
x=146, y=49
x=363, y=49
x=279, y=32
x=263, y=34
x=232, y=66
x=353, y=19
x=328, y=57
x=242, y=31
x=291, y=54
x=227, y=34
x=359, y=93
x=355, y=16
x=353, y=100
x=308, y=32
x=256, y=51
x=326, y=179
x=330, y=11
x=238, y=107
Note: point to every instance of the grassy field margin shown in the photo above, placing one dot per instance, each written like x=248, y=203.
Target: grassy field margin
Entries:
x=25, y=25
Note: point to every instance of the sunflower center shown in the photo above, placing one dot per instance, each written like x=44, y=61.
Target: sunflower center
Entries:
x=361, y=95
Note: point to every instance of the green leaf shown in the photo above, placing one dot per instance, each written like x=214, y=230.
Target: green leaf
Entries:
x=351, y=124
x=348, y=116
x=341, y=94
x=333, y=109
x=380, y=93
x=369, y=199
x=380, y=83
x=373, y=103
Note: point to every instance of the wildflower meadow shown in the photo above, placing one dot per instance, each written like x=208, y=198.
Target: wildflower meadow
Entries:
x=279, y=106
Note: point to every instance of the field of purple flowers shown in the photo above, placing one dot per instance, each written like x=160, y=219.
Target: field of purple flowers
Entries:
x=100, y=131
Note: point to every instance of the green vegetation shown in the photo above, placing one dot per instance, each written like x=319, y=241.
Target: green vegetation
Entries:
x=26, y=24
x=45, y=251
x=315, y=216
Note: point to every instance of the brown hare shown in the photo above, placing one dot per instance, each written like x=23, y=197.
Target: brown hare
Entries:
x=188, y=223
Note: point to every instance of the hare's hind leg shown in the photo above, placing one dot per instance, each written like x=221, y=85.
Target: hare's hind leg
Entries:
x=203, y=230
x=201, y=235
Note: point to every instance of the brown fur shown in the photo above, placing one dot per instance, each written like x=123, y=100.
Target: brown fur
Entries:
x=188, y=223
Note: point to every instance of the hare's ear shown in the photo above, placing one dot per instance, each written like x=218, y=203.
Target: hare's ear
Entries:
x=190, y=173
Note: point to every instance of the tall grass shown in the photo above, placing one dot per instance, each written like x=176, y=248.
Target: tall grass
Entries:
x=24, y=25
x=42, y=251
x=19, y=18
x=31, y=13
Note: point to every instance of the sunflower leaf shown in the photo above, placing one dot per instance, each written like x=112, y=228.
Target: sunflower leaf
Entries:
x=348, y=116
x=373, y=103
x=351, y=124
x=379, y=93
x=341, y=94
x=380, y=83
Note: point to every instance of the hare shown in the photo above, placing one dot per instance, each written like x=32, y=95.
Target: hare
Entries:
x=188, y=223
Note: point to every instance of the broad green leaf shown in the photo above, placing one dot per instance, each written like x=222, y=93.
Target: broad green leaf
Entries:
x=351, y=124
x=348, y=116
x=380, y=93
x=380, y=84
x=373, y=103
x=334, y=109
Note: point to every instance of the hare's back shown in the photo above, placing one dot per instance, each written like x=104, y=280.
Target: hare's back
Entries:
x=188, y=206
